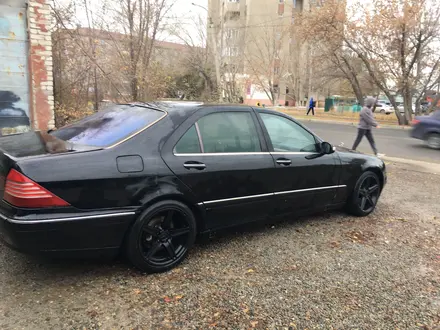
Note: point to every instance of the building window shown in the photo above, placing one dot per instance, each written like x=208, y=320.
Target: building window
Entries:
x=281, y=8
x=231, y=51
x=232, y=33
x=276, y=70
x=232, y=15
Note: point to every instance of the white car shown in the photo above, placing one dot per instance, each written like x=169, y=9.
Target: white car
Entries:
x=402, y=110
x=384, y=108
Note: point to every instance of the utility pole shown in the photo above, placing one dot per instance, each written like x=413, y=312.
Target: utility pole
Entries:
x=217, y=54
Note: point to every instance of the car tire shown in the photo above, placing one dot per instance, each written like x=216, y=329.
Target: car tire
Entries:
x=433, y=141
x=382, y=112
x=161, y=237
x=365, y=195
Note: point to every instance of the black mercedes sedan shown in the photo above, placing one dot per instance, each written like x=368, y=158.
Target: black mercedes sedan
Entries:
x=146, y=179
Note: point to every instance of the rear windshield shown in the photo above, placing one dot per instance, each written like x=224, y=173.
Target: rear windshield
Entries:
x=109, y=126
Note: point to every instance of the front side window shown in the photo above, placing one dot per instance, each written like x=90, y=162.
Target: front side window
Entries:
x=287, y=136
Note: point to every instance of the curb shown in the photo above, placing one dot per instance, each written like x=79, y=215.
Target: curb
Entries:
x=351, y=123
x=433, y=168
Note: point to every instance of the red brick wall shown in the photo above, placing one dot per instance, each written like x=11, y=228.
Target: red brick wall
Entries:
x=40, y=64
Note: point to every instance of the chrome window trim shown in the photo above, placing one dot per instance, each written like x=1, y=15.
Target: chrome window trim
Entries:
x=96, y=216
x=199, y=135
x=294, y=153
x=141, y=130
x=222, y=154
x=269, y=194
x=245, y=153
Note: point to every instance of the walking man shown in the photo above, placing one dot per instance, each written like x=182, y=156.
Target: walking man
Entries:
x=311, y=106
x=366, y=122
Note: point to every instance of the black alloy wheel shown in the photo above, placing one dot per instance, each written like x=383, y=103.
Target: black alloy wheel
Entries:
x=365, y=195
x=161, y=237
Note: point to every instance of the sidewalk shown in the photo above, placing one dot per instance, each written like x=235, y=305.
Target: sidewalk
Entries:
x=345, y=118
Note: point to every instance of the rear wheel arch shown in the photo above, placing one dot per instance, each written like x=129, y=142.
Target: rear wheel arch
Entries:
x=198, y=211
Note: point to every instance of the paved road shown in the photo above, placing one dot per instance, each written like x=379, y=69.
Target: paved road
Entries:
x=391, y=142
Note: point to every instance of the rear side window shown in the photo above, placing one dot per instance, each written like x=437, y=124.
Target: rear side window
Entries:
x=109, y=126
x=229, y=132
x=222, y=132
x=188, y=143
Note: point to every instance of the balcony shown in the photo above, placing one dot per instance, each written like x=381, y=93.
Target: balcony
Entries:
x=231, y=6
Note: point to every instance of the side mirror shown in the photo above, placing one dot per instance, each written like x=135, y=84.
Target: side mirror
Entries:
x=327, y=148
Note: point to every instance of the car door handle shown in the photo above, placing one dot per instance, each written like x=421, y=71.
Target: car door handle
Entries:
x=284, y=161
x=194, y=165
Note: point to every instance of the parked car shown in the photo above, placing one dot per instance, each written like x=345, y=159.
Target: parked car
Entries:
x=402, y=109
x=384, y=108
x=427, y=128
x=147, y=178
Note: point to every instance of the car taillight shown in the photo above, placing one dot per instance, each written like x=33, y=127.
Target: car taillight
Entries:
x=21, y=191
x=415, y=122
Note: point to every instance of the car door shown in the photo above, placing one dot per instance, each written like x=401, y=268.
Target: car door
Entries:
x=221, y=155
x=301, y=183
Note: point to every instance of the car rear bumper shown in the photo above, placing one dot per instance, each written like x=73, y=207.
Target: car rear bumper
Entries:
x=77, y=235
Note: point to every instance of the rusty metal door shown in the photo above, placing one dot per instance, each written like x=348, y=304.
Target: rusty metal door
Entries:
x=14, y=73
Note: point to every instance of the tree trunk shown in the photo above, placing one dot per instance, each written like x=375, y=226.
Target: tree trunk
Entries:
x=407, y=105
x=95, y=87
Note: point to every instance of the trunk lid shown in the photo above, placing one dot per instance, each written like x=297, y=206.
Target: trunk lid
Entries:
x=31, y=144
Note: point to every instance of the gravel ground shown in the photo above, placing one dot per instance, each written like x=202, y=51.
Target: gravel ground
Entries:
x=330, y=271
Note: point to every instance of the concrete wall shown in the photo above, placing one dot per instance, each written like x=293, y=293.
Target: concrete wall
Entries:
x=14, y=72
x=26, y=80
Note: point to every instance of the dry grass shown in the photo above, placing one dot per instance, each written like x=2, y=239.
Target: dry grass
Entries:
x=349, y=117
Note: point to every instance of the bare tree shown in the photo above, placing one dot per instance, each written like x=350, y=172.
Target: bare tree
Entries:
x=394, y=41
x=140, y=21
x=197, y=60
x=265, y=62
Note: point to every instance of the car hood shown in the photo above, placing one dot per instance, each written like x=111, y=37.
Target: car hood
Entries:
x=345, y=149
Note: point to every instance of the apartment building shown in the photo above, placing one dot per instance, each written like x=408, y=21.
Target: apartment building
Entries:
x=259, y=39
